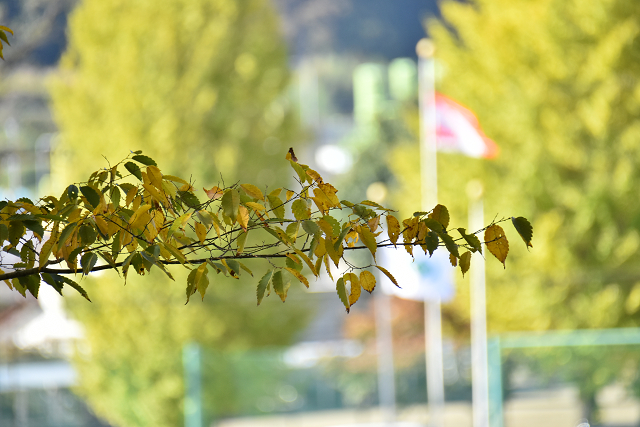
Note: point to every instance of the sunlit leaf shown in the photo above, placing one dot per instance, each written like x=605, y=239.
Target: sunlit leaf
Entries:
x=497, y=242
x=393, y=228
x=465, y=262
x=386, y=273
x=441, y=214
x=367, y=281
x=252, y=191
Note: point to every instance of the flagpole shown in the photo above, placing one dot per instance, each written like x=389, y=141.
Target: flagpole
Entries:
x=429, y=192
x=479, y=362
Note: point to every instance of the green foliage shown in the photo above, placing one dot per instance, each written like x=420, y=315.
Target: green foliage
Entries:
x=198, y=82
x=552, y=85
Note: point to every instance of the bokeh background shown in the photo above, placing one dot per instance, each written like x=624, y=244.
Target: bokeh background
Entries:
x=219, y=90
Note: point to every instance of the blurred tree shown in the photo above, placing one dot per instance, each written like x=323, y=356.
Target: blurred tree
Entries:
x=555, y=84
x=200, y=86
x=201, y=83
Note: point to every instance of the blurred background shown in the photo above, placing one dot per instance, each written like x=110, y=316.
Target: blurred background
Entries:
x=222, y=88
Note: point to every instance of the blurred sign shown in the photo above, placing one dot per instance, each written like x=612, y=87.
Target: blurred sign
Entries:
x=421, y=279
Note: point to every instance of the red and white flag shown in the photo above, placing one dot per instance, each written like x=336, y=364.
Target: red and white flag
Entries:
x=458, y=130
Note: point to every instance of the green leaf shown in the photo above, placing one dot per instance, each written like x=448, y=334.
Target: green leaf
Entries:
x=524, y=229
x=88, y=261
x=72, y=192
x=35, y=226
x=300, y=209
x=451, y=246
x=75, y=286
x=302, y=174
x=289, y=262
x=87, y=234
x=310, y=227
x=342, y=293
x=4, y=233
x=114, y=194
x=280, y=285
x=16, y=231
x=32, y=283
x=190, y=199
x=92, y=196
x=144, y=160
x=431, y=242
x=433, y=225
x=231, y=203
x=134, y=170
x=263, y=284
x=472, y=240
x=55, y=284
x=276, y=205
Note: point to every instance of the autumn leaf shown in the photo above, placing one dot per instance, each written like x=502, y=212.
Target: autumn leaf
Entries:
x=280, y=286
x=243, y=217
x=252, y=191
x=465, y=262
x=356, y=289
x=368, y=239
x=441, y=214
x=213, y=193
x=497, y=242
x=367, y=281
x=386, y=273
x=393, y=229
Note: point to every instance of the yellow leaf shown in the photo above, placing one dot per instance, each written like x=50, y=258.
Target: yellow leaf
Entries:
x=367, y=281
x=290, y=194
x=465, y=262
x=131, y=194
x=453, y=260
x=45, y=251
x=441, y=214
x=393, y=228
x=252, y=191
x=320, y=249
x=159, y=197
x=102, y=225
x=255, y=206
x=138, y=219
x=307, y=261
x=330, y=193
x=315, y=176
x=386, y=273
x=327, y=265
x=356, y=290
x=368, y=239
x=201, y=231
x=243, y=217
x=497, y=242
x=298, y=276
x=174, y=179
x=294, y=258
x=155, y=177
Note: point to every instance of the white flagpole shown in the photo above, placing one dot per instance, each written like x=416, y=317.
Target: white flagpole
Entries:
x=429, y=193
x=479, y=363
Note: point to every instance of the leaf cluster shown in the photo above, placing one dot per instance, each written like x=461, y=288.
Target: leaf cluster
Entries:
x=132, y=217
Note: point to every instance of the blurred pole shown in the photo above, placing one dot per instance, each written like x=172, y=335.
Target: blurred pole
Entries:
x=384, y=342
x=496, y=416
x=192, y=385
x=429, y=193
x=479, y=366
